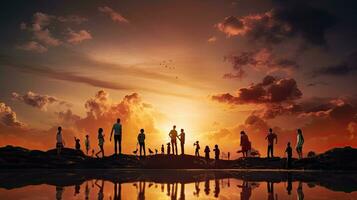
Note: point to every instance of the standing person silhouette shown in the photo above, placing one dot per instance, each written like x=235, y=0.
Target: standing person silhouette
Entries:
x=173, y=136
x=299, y=143
x=168, y=148
x=141, y=141
x=59, y=140
x=162, y=149
x=289, y=155
x=182, y=141
x=207, y=150
x=197, y=150
x=87, y=144
x=271, y=137
x=100, y=142
x=216, y=152
x=244, y=143
x=117, y=129
x=77, y=144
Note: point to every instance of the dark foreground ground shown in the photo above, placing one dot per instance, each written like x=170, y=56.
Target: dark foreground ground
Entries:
x=20, y=158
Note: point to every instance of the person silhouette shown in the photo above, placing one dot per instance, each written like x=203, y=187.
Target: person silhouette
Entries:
x=289, y=155
x=173, y=136
x=244, y=143
x=77, y=144
x=168, y=148
x=87, y=144
x=59, y=192
x=101, y=189
x=141, y=141
x=156, y=151
x=162, y=149
x=117, y=191
x=117, y=129
x=197, y=149
x=300, y=193
x=271, y=137
x=182, y=191
x=299, y=143
x=59, y=140
x=100, y=142
x=182, y=141
x=207, y=151
x=216, y=152
x=216, y=188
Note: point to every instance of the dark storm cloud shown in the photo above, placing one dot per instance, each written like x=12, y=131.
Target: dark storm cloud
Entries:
x=270, y=90
x=262, y=59
x=286, y=20
x=346, y=67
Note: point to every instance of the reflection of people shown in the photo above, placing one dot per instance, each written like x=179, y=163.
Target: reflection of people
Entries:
x=117, y=191
x=289, y=186
x=141, y=141
x=174, y=191
x=100, y=142
x=299, y=143
x=289, y=155
x=182, y=192
x=168, y=188
x=77, y=189
x=207, y=150
x=246, y=191
x=162, y=187
x=59, y=192
x=182, y=141
x=271, y=137
x=197, y=189
x=101, y=190
x=270, y=186
x=141, y=195
x=173, y=136
x=59, y=140
x=197, y=149
x=300, y=193
x=207, y=189
x=86, y=192
x=216, y=188
x=117, y=129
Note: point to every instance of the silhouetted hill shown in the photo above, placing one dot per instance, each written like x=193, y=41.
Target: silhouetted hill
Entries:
x=21, y=158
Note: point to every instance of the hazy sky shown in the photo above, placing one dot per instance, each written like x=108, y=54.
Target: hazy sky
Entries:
x=213, y=68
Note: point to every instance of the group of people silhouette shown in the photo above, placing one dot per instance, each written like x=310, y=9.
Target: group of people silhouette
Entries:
x=245, y=143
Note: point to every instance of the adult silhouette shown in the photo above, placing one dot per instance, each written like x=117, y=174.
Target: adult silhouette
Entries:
x=244, y=143
x=87, y=144
x=216, y=152
x=207, y=151
x=271, y=137
x=117, y=129
x=100, y=142
x=59, y=140
x=197, y=149
x=173, y=136
x=299, y=143
x=182, y=141
x=141, y=141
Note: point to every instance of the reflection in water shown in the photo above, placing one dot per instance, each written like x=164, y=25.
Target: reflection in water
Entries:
x=178, y=187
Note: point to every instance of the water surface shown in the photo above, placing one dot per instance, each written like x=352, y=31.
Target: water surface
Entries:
x=176, y=185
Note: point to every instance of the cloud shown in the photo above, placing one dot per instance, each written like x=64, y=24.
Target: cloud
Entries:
x=259, y=60
x=33, y=46
x=212, y=39
x=346, y=67
x=77, y=37
x=72, y=18
x=8, y=116
x=115, y=16
x=283, y=22
x=40, y=31
x=38, y=100
x=270, y=90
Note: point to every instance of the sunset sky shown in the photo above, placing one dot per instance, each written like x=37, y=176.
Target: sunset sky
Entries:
x=213, y=68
